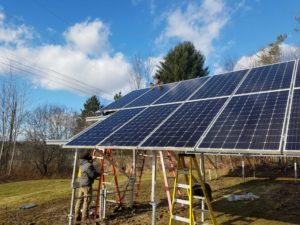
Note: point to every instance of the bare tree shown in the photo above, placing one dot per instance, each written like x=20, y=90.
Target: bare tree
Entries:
x=49, y=122
x=229, y=64
x=142, y=70
x=12, y=104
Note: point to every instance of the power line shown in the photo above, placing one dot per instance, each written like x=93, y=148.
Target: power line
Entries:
x=59, y=75
x=28, y=72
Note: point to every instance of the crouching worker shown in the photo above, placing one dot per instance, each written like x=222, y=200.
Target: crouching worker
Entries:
x=197, y=190
x=86, y=179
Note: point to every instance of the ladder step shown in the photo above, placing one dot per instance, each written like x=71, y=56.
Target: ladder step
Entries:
x=111, y=201
x=183, y=171
x=181, y=219
x=182, y=201
x=108, y=174
x=186, y=186
x=171, y=177
x=200, y=210
x=199, y=197
x=108, y=183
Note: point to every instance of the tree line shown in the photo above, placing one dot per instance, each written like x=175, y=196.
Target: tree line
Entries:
x=24, y=131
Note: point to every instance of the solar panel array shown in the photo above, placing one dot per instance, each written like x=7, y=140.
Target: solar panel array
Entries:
x=247, y=111
x=249, y=122
x=120, y=103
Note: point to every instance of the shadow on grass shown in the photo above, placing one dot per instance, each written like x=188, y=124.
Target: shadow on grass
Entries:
x=279, y=200
x=137, y=209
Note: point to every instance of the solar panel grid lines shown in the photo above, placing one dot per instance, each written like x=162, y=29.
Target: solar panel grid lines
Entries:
x=263, y=121
x=185, y=126
x=183, y=91
x=288, y=108
x=83, y=131
x=182, y=103
x=249, y=122
x=292, y=142
x=153, y=95
x=297, y=82
x=221, y=110
x=220, y=85
x=125, y=100
x=92, y=136
x=269, y=77
x=139, y=128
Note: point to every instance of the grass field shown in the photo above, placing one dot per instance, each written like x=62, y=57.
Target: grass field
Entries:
x=279, y=202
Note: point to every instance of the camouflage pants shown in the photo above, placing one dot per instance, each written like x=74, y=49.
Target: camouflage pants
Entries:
x=84, y=200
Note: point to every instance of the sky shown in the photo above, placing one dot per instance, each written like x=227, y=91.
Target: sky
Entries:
x=67, y=50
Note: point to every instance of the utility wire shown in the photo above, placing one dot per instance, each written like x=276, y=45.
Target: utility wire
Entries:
x=28, y=72
x=59, y=75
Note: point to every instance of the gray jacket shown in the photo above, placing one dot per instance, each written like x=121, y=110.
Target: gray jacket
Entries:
x=88, y=173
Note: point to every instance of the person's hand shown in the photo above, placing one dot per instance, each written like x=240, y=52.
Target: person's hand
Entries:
x=94, y=154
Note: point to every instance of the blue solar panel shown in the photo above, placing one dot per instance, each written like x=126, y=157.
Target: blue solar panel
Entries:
x=272, y=77
x=97, y=133
x=293, y=135
x=183, y=90
x=220, y=85
x=186, y=125
x=126, y=99
x=140, y=127
x=152, y=95
x=297, y=83
x=249, y=122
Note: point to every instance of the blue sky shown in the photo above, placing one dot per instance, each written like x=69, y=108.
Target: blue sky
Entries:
x=92, y=42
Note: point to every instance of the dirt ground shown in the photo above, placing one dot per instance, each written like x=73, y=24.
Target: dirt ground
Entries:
x=279, y=203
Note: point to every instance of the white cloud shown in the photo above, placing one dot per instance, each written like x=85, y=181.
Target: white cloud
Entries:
x=90, y=37
x=198, y=23
x=12, y=35
x=84, y=58
x=288, y=52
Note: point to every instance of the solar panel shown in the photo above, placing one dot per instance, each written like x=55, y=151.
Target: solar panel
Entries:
x=297, y=83
x=152, y=95
x=182, y=115
x=98, y=132
x=182, y=91
x=186, y=125
x=126, y=99
x=141, y=126
x=271, y=77
x=293, y=135
x=220, y=85
x=249, y=122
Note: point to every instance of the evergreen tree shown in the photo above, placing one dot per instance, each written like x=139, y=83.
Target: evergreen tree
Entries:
x=181, y=63
x=91, y=106
x=118, y=96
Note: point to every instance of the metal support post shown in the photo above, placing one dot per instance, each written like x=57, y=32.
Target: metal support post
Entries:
x=202, y=210
x=153, y=200
x=243, y=169
x=295, y=170
x=254, y=169
x=132, y=178
x=202, y=167
x=73, y=186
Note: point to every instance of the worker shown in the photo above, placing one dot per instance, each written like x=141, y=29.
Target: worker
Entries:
x=158, y=82
x=86, y=179
x=197, y=190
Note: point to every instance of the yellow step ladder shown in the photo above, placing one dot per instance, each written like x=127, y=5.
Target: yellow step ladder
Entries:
x=192, y=176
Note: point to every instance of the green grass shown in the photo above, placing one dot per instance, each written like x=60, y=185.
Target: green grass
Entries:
x=35, y=191
x=278, y=203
